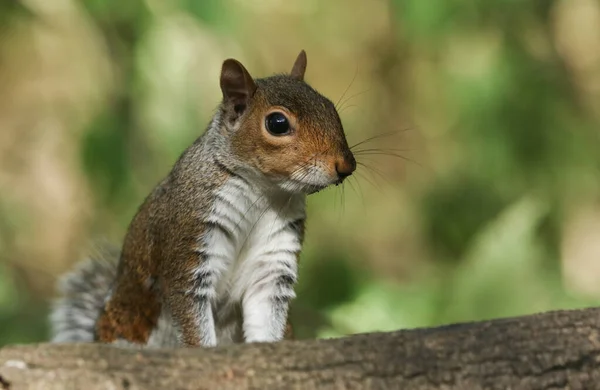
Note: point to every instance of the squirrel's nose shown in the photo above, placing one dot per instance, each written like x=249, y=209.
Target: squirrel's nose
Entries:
x=345, y=166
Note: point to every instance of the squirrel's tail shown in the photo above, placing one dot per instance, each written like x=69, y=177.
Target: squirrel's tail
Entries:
x=84, y=291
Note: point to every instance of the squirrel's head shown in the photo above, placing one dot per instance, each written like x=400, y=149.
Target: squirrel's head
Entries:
x=284, y=129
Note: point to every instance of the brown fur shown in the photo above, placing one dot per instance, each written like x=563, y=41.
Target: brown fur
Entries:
x=280, y=156
x=289, y=332
x=161, y=250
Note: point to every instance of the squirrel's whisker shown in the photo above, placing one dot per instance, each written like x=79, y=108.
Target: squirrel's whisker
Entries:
x=360, y=191
x=383, y=135
x=376, y=172
x=347, y=88
x=352, y=97
x=367, y=179
x=391, y=150
x=392, y=155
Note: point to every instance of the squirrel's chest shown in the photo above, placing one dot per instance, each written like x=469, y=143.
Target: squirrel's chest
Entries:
x=249, y=231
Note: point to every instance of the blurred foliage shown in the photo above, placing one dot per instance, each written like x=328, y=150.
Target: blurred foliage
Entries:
x=467, y=215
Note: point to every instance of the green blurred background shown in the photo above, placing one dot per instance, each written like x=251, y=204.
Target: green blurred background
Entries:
x=479, y=198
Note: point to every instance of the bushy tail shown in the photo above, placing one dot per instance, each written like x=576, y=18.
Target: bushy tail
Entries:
x=83, y=293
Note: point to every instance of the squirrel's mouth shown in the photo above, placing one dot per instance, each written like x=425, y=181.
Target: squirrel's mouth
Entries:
x=305, y=186
x=313, y=189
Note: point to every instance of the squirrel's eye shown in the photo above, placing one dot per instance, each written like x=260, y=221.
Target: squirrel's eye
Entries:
x=277, y=123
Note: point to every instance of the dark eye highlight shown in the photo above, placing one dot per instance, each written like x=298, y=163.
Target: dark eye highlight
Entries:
x=277, y=123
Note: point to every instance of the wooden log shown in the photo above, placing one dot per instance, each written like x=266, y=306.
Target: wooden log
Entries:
x=555, y=350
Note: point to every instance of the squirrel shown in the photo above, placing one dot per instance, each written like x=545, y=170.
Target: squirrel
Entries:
x=211, y=256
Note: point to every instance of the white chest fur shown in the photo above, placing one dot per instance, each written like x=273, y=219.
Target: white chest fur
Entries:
x=250, y=245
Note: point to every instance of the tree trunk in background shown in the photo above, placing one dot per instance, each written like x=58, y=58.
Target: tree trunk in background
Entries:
x=556, y=350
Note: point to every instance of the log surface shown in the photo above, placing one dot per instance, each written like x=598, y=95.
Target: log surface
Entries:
x=555, y=350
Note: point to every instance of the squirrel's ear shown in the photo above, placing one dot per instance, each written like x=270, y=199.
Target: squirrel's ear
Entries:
x=236, y=84
x=299, y=66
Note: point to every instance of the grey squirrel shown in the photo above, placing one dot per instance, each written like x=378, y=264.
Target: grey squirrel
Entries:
x=211, y=256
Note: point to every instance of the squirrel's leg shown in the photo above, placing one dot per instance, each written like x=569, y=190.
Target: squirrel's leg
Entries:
x=194, y=317
x=192, y=308
x=131, y=313
x=265, y=304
